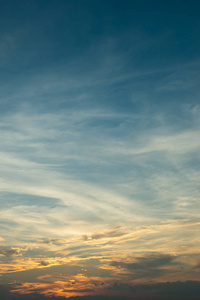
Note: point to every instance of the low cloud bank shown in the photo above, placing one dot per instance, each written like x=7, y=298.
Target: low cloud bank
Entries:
x=189, y=290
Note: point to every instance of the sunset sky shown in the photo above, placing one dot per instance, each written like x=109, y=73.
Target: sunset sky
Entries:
x=99, y=149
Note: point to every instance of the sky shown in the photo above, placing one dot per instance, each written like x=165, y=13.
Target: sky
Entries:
x=99, y=149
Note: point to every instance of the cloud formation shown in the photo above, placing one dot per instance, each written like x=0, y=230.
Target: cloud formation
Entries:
x=152, y=266
x=177, y=290
x=99, y=149
x=111, y=233
x=10, y=252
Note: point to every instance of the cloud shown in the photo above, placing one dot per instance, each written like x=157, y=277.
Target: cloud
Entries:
x=50, y=241
x=44, y=263
x=111, y=233
x=10, y=252
x=64, y=166
x=188, y=290
x=151, y=266
x=154, y=261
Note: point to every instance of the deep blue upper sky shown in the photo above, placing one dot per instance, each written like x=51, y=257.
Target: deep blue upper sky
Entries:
x=40, y=37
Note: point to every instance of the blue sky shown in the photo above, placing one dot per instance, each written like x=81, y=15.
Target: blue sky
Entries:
x=99, y=127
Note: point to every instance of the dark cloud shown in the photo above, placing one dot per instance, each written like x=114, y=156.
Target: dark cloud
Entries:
x=9, y=252
x=106, y=235
x=84, y=237
x=50, y=241
x=44, y=263
x=152, y=261
x=151, y=265
x=180, y=290
x=112, y=233
x=80, y=291
x=188, y=290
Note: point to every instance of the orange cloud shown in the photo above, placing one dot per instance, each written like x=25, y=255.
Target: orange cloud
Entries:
x=78, y=285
